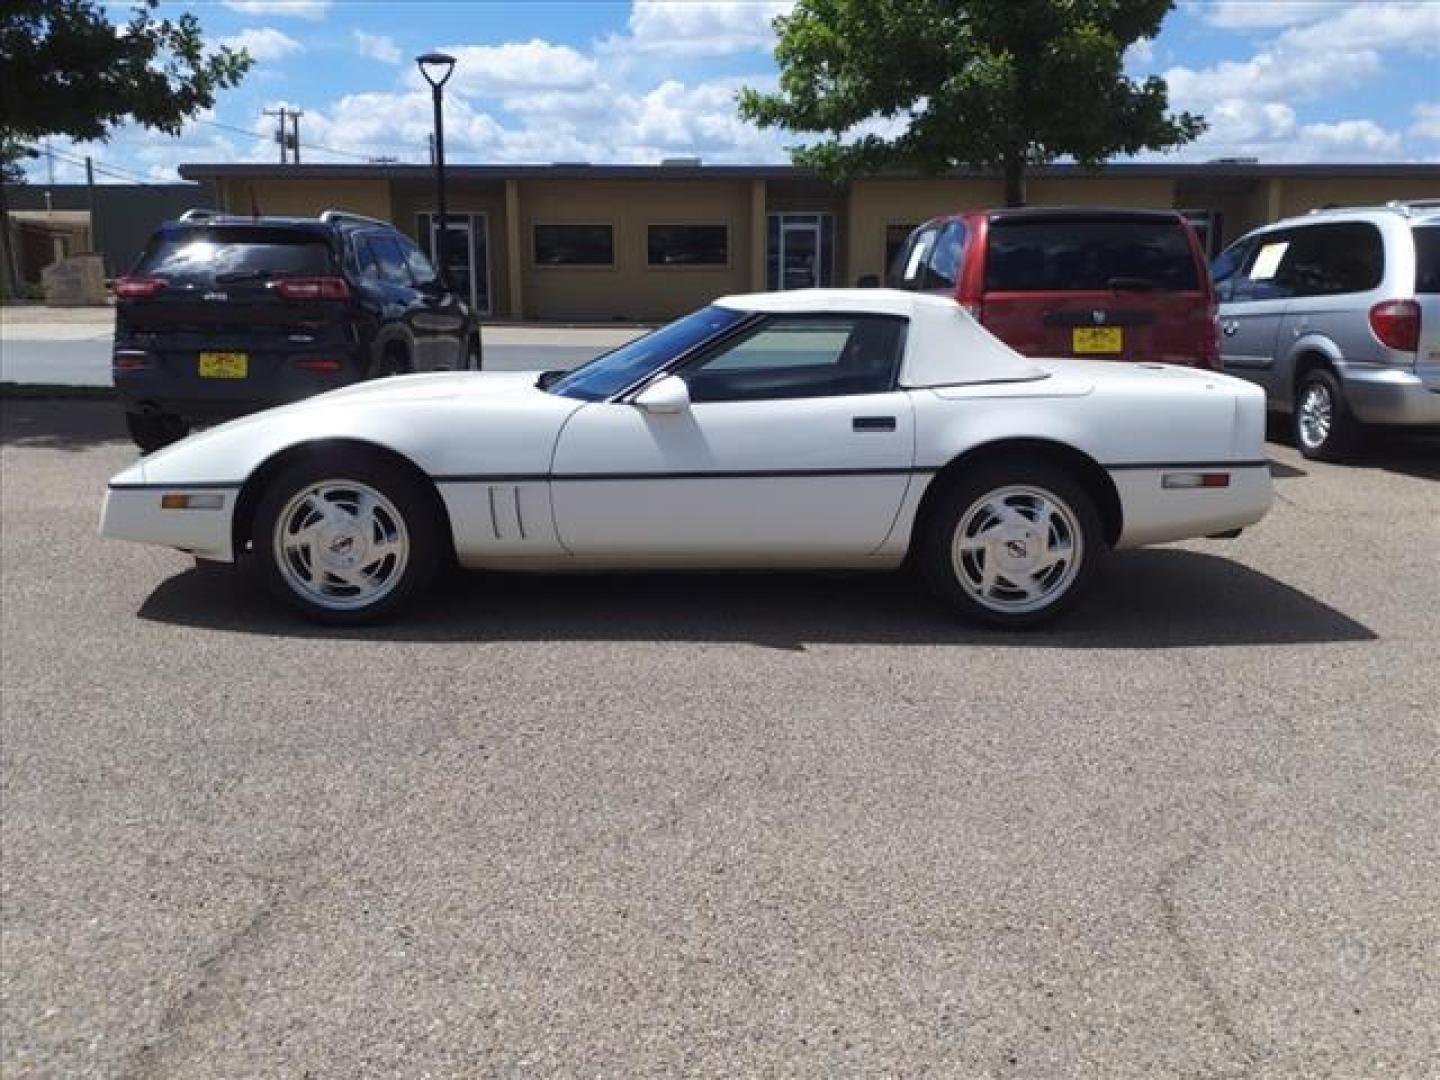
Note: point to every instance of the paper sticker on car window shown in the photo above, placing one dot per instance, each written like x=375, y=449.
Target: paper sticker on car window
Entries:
x=917, y=255
x=1268, y=261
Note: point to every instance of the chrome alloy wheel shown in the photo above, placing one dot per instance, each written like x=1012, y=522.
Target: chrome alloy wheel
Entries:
x=1017, y=549
x=341, y=544
x=1317, y=415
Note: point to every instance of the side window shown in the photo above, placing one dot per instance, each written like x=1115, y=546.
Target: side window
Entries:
x=1225, y=268
x=910, y=267
x=422, y=272
x=803, y=356
x=943, y=269
x=1259, y=275
x=391, y=259
x=1326, y=260
x=366, y=264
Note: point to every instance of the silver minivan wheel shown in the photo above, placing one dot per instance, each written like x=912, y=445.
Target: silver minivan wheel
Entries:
x=1317, y=415
x=341, y=545
x=1017, y=549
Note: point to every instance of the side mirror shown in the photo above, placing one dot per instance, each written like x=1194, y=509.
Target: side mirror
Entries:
x=667, y=395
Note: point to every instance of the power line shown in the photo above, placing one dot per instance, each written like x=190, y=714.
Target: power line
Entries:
x=115, y=172
x=308, y=146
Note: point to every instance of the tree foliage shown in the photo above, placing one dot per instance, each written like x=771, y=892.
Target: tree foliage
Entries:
x=933, y=84
x=65, y=69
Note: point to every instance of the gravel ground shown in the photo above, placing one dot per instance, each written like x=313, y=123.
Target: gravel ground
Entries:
x=723, y=825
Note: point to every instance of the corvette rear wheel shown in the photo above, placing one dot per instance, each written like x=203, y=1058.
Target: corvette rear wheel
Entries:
x=1013, y=546
x=346, y=542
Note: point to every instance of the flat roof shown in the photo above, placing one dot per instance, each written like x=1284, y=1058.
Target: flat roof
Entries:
x=577, y=171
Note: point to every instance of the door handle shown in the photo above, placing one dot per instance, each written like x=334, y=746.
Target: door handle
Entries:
x=1230, y=327
x=873, y=423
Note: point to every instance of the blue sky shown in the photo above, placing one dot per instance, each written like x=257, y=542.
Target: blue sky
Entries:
x=603, y=81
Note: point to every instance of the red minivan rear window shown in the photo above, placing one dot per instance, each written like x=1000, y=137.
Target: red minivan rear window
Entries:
x=1058, y=255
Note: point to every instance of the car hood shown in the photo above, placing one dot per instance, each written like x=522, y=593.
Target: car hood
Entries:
x=440, y=384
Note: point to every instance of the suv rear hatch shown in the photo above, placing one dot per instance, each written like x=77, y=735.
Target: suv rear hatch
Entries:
x=226, y=311
x=1108, y=285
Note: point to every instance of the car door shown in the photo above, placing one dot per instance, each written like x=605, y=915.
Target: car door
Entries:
x=1252, y=307
x=795, y=444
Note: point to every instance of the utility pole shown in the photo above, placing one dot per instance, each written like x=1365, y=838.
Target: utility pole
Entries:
x=295, y=128
x=280, y=133
x=90, y=198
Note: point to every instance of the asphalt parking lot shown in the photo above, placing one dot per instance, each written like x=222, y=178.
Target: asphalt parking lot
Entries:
x=719, y=825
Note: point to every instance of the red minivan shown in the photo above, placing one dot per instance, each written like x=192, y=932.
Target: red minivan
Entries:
x=1114, y=284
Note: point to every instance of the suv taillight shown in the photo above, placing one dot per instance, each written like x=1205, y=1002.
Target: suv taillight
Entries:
x=313, y=288
x=1397, y=324
x=1210, y=344
x=138, y=288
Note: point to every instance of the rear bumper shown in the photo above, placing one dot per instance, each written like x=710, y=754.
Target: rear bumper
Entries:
x=1391, y=396
x=134, y=513
x=1154, y=514
x=159, y=389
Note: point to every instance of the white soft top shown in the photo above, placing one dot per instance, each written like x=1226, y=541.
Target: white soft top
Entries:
x=944, y=347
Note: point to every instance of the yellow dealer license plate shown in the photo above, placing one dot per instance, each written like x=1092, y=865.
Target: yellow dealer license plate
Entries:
x=224, y=365
x=1097, y=339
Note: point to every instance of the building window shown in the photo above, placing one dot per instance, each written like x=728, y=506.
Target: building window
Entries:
x=574, y=245
x=688, y=245
x=895, y=237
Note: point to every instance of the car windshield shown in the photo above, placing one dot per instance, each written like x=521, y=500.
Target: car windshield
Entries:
x=607, y=375
x=219, y=254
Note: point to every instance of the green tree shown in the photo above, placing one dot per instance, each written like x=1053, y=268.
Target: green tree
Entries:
x=1000, y=84
x=66, y=69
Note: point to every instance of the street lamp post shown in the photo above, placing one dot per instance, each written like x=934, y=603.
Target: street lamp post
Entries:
x=437, y=67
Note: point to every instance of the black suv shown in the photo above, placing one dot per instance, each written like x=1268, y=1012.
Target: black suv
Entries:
x=225, y=315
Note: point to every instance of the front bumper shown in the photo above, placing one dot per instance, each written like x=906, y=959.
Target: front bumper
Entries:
x=1391, y=396
x=133, y=512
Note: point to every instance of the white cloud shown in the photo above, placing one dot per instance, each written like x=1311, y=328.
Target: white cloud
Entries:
x=1427, y=120
x=1343, y=139
x=265, y=44
x=1261, y=14
x=377, y=47
x=700, y=27
x=1139, y=54
x=1272, y=76
x=516, y=67
x=313, y=10
x=1412, y=27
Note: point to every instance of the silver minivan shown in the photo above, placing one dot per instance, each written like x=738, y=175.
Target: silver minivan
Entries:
x=1337, y=315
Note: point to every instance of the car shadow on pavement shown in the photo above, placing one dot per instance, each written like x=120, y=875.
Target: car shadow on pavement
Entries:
x=60, y=424
x=1148, y=599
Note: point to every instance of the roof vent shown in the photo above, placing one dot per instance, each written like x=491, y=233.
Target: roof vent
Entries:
x=679, y=162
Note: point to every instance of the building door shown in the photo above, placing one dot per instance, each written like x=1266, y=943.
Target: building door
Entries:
x=801, y=251
x=467, y=255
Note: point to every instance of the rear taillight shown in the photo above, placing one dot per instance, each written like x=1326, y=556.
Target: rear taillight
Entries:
x=313, y=288
x=321, y=364
x=1209, y=356
x=1397, y=324
x=138, y=288
x=129, y=361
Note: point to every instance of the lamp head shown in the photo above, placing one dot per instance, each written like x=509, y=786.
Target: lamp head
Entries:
x=436, y=67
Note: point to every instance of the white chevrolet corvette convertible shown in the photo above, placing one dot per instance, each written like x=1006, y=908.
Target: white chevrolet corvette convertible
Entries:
x=824, y=429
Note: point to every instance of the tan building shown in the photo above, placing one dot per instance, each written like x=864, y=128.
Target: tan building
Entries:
x=574, y=242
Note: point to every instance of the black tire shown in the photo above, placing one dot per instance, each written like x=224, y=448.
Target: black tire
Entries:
x=393, y=361
x=966, y=503
x=1333, y=436
x=419, y=526
x=155, y=431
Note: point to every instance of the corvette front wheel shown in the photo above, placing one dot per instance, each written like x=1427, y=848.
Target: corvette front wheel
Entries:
x=1012, y=546
x=346, y=542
